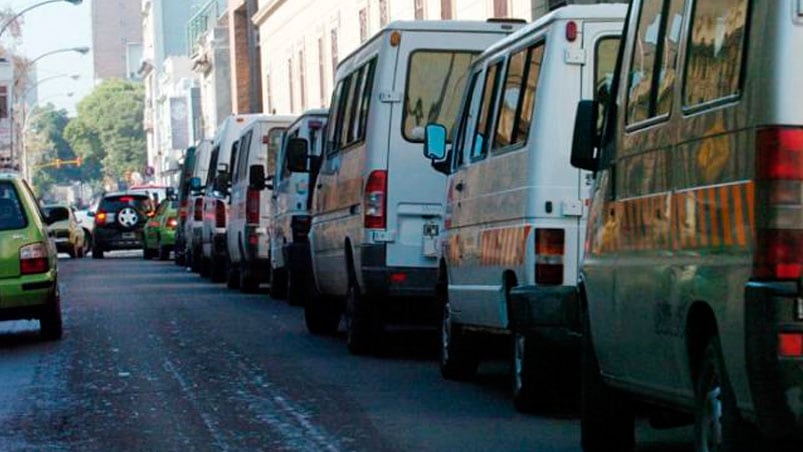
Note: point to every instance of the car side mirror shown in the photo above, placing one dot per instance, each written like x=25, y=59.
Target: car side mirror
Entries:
x=298, y=155
x=586, y=137
x=57, y=214
x=256, y=177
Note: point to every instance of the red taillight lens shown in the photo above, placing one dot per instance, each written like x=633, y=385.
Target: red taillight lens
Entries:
x=182, y=209
x=549, y=246
x=100, y=218
x=252, y=207
x=198, y=210
x=571, y=31
x=172, y=222
x=790, y=345
x=34, y=259
x=376, y=200
x=220, y=214
x=779, y=179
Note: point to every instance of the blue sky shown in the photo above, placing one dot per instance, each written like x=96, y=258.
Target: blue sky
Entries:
x=51, y=27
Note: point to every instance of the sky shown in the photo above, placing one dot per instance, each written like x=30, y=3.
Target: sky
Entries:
x=51, y=27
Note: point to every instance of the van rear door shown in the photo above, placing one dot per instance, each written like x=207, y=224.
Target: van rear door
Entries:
x=432, y=72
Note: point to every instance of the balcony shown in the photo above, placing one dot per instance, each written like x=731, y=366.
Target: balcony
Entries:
x=204, y=20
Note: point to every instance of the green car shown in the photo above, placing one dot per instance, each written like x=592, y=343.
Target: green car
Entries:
x=28, y=259
x=160, y=231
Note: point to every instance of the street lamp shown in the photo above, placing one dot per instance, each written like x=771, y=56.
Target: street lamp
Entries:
x=36, y=5
x=82, y=50
x=24, y=95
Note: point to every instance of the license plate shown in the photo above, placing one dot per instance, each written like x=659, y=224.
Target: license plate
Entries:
x=129, y=235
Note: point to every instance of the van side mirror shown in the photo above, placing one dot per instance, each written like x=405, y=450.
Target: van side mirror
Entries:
x=222, y=182
x=586, y=137
x=256, y=177
x=435, y=142
x=57, y=214
x=297, y=155
x=195, y=184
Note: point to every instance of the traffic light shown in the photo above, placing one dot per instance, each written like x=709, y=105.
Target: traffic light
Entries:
x=58, y=163
x=78, y=161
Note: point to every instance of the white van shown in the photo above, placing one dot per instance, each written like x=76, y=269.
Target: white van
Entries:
x=691, y=283
x=377, y=205
x=289, y=247
x=214, y=253
x=195, y=206
x=513, y=234
x=247, y=236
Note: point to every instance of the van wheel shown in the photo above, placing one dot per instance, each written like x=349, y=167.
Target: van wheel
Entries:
x=458, y=359
x=195, y=261
x=295, y=291
x=321, y=314
x=164, y=252
x=232, y=276
x=607, y=419
x=97, y=253
x=529, y=379
x=50, y=324
x=217, y=271
x=717, y=423
x=278, y=283
x=248, y=282
x=363, y=327
x=204, y=265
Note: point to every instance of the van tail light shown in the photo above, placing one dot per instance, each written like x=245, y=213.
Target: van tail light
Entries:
x=33, y=259
x=790, y=345
x=220, y=214
x=100, y=218
x=198, y=211
x=779, y=184
x=172, y=222
x=376, y=198
x=182, y=209
x=252, y=206
x=549, y=247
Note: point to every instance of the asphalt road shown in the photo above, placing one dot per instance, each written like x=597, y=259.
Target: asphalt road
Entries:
x=156, y=358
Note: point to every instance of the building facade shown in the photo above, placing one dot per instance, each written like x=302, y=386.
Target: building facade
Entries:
x=246, y=87
x=301, y=41
x=116, y=32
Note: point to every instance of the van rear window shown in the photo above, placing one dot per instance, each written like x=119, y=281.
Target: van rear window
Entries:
x=435, y=82
x=12, y=215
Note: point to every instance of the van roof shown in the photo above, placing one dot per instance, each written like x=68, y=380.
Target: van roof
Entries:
x=577, y=12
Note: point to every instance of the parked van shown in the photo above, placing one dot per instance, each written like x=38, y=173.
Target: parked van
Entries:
x=377, y=206
x=247, y=238
x=183, y=206
x=691, y=285
x=195, y=205
x=515, y=206
x=216, y=197
x=289, y=245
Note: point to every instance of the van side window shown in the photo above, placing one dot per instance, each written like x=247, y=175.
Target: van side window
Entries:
x=461, y=141
x=349, y=104
x=334, y=120
x=242, y=162
x=365, y=99
x=435, y=82
x=653, y=64
x=604, y=67
x=716, y=49
x=286, y=173
x=479, y=146
x=518, y=97
x=274, y=139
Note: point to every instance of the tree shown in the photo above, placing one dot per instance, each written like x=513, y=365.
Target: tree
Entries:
x=44, y=138
x=108, y=128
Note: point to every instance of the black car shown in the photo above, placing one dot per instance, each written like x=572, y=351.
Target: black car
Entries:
x=119, y=221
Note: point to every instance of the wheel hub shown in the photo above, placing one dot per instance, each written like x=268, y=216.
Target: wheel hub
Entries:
x=127, y=217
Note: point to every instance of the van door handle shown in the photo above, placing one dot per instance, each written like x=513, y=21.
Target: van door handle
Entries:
x=460, y=186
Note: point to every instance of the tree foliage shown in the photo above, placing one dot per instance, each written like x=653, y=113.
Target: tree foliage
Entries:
x=108, y=129
x=45, y=142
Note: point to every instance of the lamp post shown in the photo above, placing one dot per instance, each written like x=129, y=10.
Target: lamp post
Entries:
x=43, y=80
x=35, y=5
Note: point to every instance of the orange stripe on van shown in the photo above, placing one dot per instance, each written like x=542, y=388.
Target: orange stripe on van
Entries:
x=504, y=247
x=728, y=225
x=713, y=206
x=751, y=206
x=702, y=221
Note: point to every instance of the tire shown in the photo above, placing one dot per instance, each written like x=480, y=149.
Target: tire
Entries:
x=146, y=253
x=530, y=377
x=97, y=252
x=72, y=253
x=607, y=419
x=87, y=242
x=458, y=359
x=232, y=276
x=248, y=282
x=217, y=271
x=278, y=283
x=321, y=314
x=164, y=253
x=79, y=252
x=295, y=290
x=204, y=267
x=363, y=327
x=195, y=261
x=50, y=324
x=718, y=426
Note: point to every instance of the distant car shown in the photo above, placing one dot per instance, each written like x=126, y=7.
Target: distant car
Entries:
x=160, y=231
x=119, y=222
x=28, y=262
x=67, y=234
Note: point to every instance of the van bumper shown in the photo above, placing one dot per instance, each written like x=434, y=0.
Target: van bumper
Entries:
x=776, y=383
x=551, y=314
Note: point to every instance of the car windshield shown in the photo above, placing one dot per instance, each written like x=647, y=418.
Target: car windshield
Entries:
x=115, y=203
x=12, y=215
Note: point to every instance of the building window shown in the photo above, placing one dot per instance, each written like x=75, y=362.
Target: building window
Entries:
x=3, y=102
x=383, y=13
x=290, y=82
x=418, y=9
x=302, y=80
x=334, y=52
x=500, y=8
x=447, y=12
x=363, y=24
x=321, y=72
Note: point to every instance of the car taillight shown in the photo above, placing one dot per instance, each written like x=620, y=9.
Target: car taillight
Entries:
x=376, y=200
x=100, y=218
x=549, y=246
x=198, y=212
x=172, y=222
x=252, y=206
x=779, y=179
x=33, y=259
x=220, y=214
x=790, y=345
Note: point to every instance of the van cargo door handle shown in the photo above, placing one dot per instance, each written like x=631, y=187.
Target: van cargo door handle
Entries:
x=459, y=186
